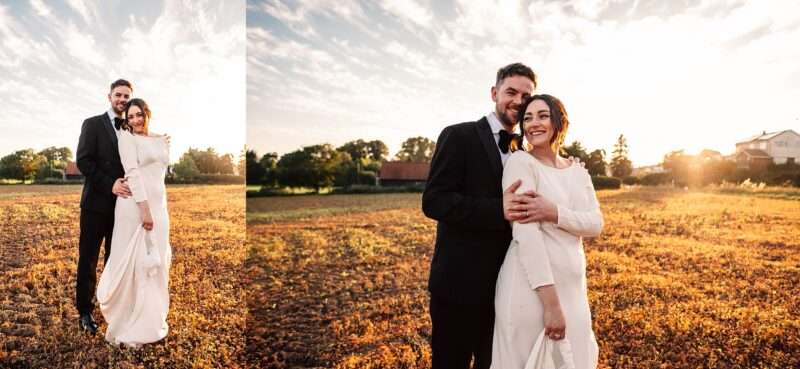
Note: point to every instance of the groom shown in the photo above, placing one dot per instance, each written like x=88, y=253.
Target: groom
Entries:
x=464, y=194
x=98, y=160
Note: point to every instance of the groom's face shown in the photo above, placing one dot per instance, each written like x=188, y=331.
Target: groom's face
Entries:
x=118, y=97
x=508, y=96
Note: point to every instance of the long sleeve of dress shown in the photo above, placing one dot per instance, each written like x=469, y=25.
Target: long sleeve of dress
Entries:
x=130, y=162
x=530, y=247
x=585, y=219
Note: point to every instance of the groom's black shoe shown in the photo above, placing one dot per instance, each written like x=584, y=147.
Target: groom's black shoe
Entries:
x=88, y=324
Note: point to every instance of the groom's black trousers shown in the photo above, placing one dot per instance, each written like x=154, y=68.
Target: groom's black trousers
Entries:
x=460, y=333
x=95, y=227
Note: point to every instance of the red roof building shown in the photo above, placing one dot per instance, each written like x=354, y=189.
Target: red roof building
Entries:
x=395, y=173
x=72, y=171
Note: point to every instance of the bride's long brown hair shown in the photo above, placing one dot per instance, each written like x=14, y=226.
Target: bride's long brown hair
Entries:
x=558, y=117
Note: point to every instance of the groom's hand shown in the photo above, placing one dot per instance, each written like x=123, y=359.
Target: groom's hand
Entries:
x=535, y=208
x=511, y=200
x=121, y=188
x=577, y=161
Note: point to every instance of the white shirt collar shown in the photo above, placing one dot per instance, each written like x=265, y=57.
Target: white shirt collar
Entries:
x=111, y=115
x=494, y=123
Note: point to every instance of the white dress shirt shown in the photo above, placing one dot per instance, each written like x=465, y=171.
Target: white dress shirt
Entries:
x=496, y=127
x=111, y=116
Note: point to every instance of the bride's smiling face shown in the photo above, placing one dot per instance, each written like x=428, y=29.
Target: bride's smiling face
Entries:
x=137, y=120
x=537, y=125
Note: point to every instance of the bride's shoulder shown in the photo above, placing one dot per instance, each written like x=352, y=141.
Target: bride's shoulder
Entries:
x=521, y=160
x=519, y=156
x=125, y=134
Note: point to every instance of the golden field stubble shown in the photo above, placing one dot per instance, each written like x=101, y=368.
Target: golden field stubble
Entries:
x=39, y=241
x=678, y=279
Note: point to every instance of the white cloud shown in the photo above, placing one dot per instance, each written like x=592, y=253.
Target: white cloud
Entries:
x=187, y=62
x=82, y=46
x=86, y=8
x=667, y=79
x=409, y=10
x=42, y=9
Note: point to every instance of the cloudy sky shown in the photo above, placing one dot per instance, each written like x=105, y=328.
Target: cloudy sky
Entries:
x=185, y=58
x=667, y=74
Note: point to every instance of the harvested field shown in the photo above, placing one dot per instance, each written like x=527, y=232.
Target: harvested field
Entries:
x=678, y=279
x=38, y=320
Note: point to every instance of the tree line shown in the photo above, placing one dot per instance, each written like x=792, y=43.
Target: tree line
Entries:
x=595, y=161
x=49, y=165
x=319, y=166
x=358, y=163
x=708, y=168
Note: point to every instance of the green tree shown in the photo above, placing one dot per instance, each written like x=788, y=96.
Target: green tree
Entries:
x=186, y=168
x=224, y=164
x=620, y=164
x=313, y=166
x=359, y=149
x=256, y=174
x=417, y=149
x=575, y=150
x=240, y=165
x=270, y=164
x=677, y=163
x=56, y=155
x=596, y=163
x=55, y=162
x=21, y=164
x=209, y=162
x=378, y=151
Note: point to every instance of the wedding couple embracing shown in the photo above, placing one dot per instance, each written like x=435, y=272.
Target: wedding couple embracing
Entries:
x=508, y=275
x=124, y=206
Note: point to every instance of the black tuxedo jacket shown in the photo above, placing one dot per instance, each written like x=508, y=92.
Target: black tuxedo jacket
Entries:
x=464, y=194
x=98, y=160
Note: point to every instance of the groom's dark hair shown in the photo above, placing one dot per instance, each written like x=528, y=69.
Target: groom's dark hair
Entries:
x=515, y=69
x=121, y=82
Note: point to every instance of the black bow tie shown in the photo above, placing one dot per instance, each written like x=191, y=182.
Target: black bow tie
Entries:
x=118, y=123
x=505, y=140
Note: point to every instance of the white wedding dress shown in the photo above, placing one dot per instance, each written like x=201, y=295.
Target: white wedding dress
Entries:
x=133, y=291
x=542, y=254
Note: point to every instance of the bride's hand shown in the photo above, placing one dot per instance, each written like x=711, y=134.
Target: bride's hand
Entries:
x=147, y=217
x=555, y=324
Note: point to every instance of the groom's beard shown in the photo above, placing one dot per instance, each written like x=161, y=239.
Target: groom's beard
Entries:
x=506, y=120
x=118, y=111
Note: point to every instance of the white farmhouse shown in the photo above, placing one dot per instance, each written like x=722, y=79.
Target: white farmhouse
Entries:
x=781, y=147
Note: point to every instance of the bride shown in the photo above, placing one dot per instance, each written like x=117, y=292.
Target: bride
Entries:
x=542, y=282
x=133, y=290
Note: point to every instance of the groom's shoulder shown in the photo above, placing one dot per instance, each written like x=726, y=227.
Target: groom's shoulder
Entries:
x=462, y=127
x=96, y=118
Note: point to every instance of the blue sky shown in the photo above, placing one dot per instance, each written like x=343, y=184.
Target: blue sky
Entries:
x=669, y=75
x=185, y=58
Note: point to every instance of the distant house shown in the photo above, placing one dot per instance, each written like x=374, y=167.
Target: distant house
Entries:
x=753, y=159
x=776, y=147
x=72, y=171
x=399, y=173
x=710, y=155
x=641, y=171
